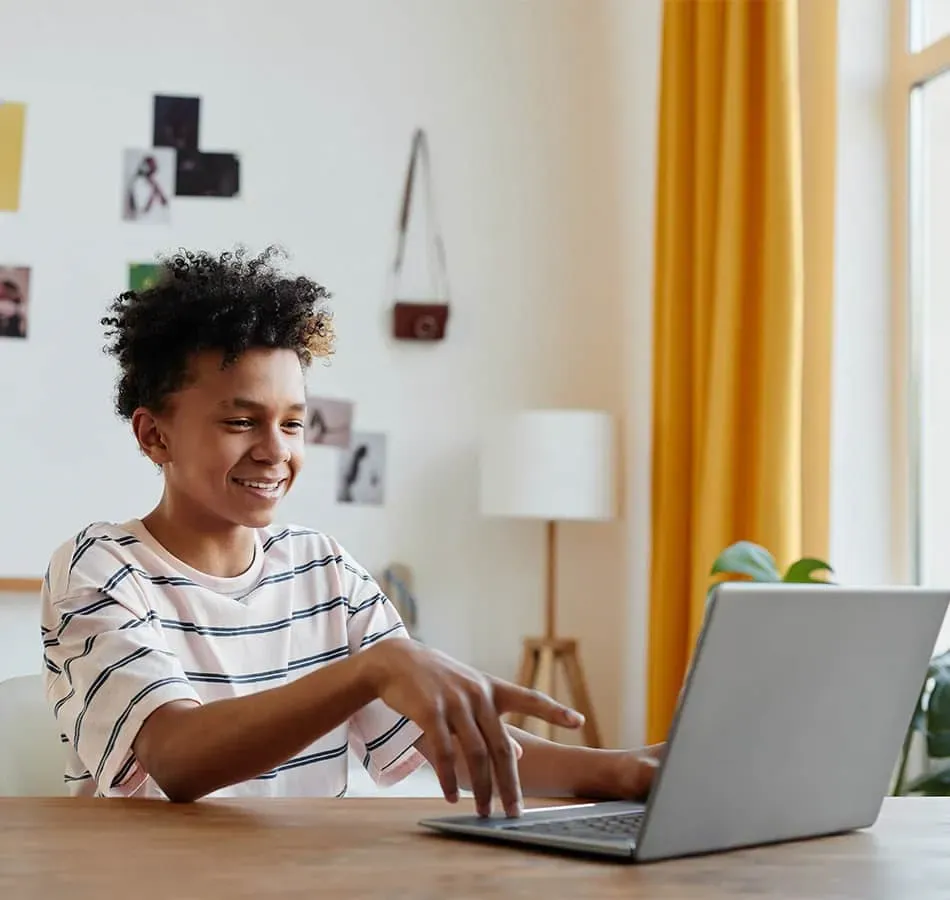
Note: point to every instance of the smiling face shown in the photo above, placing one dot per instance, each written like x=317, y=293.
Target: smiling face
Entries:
x=231, y=441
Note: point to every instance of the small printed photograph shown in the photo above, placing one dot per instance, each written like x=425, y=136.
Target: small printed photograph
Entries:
x=14, y=300
x=12, y=129
x=329, y=421
x=362, y=475
x=142, y=276
x=175, y=122
x=207, y=174
x=148, y=185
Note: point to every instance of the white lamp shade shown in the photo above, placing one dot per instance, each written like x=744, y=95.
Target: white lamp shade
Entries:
x=549, y=464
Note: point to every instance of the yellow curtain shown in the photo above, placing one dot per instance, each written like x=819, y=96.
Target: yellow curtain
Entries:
x=728, y=312
x=818, y=43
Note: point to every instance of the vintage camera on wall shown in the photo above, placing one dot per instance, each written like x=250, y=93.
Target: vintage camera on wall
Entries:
x=414, y=321
x=417, y=320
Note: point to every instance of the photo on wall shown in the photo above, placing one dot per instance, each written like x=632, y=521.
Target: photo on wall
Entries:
x=148, y=184
x=14, y=301
x=362, y=472
x=329, y=421
x=175, y=121
x=142, y=276
x=207, y=174
x=12, y=127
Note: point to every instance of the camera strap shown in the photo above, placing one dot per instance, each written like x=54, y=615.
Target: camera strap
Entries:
x=419, y=158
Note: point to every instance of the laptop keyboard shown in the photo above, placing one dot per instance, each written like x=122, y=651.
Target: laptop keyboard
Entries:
x=616, y=826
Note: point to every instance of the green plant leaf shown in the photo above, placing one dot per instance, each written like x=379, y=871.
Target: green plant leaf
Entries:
x=802, y=570
x=933, y=784
x=746, y=558
x=938, y=672
x=938, y=715
x=939, y=668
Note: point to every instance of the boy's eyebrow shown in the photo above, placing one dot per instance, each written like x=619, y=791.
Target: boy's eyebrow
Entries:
x=245, y=403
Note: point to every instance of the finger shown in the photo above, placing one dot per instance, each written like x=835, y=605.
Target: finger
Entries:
x=504, y=761
x=442, y=747
x=514, y=698
x=476, y=757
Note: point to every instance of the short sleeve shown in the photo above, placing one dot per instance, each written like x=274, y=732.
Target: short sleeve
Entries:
x=384, y=739
x=107, y=670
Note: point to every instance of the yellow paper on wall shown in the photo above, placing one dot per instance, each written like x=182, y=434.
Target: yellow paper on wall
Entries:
x=12, y=123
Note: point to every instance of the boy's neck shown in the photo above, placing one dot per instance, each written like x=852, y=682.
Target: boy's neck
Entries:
x=222, y=553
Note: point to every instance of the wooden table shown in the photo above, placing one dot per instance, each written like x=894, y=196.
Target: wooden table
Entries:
x=142, y=849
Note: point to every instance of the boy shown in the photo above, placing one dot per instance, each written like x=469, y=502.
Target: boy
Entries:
x=202, y=650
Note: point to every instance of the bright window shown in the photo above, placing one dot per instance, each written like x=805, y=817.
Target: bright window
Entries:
x=921, y=223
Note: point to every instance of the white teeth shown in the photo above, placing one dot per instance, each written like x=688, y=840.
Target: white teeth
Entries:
x=260, y=485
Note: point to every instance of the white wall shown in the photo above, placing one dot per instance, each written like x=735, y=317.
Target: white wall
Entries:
x=320, y=99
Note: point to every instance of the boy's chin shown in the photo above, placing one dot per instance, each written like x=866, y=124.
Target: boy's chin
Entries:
x=254, y=518
x=258, y=519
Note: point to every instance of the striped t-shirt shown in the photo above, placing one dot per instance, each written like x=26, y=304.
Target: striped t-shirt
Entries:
x=127, y=627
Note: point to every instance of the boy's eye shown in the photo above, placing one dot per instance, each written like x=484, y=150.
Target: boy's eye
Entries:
x=294, y=425
x=239, y=423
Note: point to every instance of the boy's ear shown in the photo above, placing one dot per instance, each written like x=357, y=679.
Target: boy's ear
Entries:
x=149, y=435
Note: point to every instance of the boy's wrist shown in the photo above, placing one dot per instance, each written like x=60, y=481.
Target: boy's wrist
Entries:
x=596, y=774
x=369, y=673
x=610, y=774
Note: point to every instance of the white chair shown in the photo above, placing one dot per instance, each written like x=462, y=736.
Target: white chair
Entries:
x=32, y=756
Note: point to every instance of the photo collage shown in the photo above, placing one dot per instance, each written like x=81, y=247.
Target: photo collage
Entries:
x=361, y=471
x=174, y=166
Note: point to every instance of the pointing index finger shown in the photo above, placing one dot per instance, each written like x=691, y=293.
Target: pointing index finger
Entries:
x=514, y=698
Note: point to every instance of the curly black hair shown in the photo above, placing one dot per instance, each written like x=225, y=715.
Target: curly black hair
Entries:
x=232, y=303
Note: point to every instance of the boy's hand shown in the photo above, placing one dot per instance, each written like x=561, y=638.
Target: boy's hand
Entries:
x=635, y=771
x=450, y=701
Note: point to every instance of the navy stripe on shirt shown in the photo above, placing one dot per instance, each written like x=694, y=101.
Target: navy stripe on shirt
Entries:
x=121, y=720
x=306, y=760
x=87, y=649
x=366, y=604
x=260, y=628
x=134, y=622
x=379, y=635
x=84, y=777
x=82, y=534
x=290, y=574
x=121, y=574
x=81, y=548
x=122, y=774
x=103, y=677
x=66, y=618
x=180, y=581
x=378, y=742
x=397, y=757
x=271, y=674
x=283, y=535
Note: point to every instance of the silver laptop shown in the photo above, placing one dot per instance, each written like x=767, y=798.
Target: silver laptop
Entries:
x=789, y=726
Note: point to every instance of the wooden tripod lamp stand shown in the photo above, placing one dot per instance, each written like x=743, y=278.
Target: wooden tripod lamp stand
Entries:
x=553, y=465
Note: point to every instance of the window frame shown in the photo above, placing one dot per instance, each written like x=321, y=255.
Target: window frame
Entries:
x=909, y=69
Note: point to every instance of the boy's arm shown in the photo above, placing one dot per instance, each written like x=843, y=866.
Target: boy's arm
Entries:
x=550, y=769
x=191, y=750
